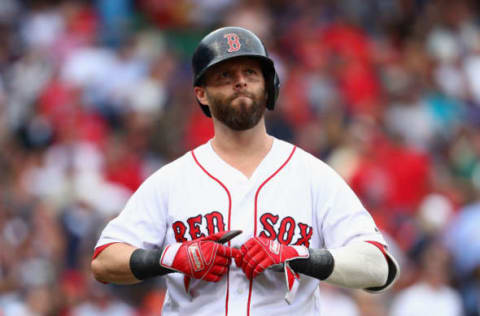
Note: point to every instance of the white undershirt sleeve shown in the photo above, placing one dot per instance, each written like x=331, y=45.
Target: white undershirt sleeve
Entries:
x=362, y=265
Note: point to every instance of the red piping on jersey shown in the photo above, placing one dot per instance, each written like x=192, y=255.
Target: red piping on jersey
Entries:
x=255, y=215
x=379, y=246
x=99, y=249
x=228, y=224
x=264, y=182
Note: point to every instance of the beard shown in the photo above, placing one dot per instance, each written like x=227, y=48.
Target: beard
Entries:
x=242, y=116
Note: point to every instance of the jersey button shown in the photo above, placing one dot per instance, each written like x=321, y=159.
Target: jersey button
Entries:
x=240, y=290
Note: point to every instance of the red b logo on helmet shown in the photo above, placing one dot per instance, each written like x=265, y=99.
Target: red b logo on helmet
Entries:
x=233, y=42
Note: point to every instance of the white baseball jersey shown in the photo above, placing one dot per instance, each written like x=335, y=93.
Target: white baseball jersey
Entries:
x=292, y=197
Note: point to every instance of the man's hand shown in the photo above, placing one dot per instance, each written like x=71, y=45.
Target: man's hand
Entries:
x=260, y=253
x=204, y=258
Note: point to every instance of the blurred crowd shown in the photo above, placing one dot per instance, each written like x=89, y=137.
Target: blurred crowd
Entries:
x=96, y=95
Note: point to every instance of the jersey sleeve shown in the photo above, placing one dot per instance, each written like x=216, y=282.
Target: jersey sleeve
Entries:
x=142, y=223
x=341, y=217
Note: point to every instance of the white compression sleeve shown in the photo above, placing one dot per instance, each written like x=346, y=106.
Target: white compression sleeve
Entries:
x=359, y=265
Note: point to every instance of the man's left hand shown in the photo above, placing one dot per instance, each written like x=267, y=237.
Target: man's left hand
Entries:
x=260, y=253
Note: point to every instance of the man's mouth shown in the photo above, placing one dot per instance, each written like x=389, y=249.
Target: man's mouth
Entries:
x=245, y=95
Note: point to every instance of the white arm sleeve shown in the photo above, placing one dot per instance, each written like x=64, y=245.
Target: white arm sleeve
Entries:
x=358, y=265
x=362, y=265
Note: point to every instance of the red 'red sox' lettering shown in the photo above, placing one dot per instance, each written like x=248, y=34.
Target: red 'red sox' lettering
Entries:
x=214, y=223
x=179, y=229
x=286, y=230
x=194, y=225
x=268, y=221
x=306, y=233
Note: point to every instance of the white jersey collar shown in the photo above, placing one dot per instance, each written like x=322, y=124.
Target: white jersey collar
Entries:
x=215, y=165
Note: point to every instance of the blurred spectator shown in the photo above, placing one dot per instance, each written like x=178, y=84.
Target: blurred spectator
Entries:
x=335, y=301
x=26, y=79
x=371, y=305
x=41, y=27
x=116, y=19
x=101, y=303
x=431, y=293
x=463, y=240
x=37, y=301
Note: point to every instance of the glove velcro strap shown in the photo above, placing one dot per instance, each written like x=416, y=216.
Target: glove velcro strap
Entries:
x=302, y=252
x=169, y=254
x=292, y=278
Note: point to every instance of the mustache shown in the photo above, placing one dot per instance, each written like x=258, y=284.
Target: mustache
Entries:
x=241, y=94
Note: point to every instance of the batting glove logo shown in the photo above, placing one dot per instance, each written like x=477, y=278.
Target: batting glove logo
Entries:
x=195, y=256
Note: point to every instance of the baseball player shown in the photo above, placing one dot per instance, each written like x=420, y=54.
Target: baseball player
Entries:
x=300, y=223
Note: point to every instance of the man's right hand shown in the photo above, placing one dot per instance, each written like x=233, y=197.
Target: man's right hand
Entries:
x=204, y=258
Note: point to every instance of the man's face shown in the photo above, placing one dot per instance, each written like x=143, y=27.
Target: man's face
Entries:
x=235, y=91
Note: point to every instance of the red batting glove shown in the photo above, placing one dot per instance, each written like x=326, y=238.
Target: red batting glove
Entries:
x=260, y=253
x=202, y=258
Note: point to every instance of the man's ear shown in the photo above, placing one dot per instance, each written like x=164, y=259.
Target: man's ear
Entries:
x=201, y=95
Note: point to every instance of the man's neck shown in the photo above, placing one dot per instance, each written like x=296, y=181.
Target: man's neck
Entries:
x=254, y=141
x=243, y=150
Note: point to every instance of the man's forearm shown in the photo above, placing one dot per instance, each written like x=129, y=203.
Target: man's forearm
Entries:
x=121, y=263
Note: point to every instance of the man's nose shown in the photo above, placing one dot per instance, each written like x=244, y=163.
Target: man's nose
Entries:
x=240, y=80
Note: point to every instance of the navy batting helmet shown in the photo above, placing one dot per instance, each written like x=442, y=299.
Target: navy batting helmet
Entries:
x=230, y=42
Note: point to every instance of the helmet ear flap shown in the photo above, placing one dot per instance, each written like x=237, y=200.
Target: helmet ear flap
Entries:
x=205, y=109
x=274, y=89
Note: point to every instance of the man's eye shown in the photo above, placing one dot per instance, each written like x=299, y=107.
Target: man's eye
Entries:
x=251, y=71
x=225, y=74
